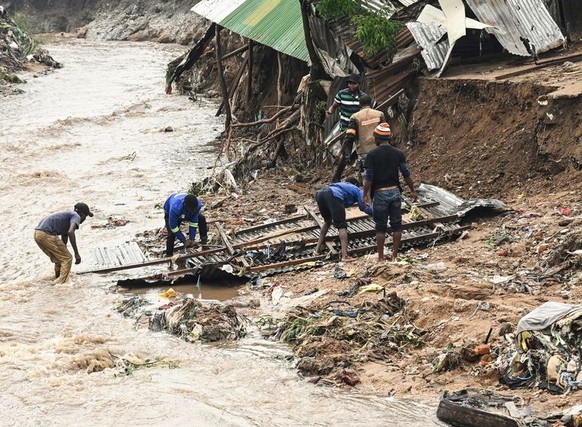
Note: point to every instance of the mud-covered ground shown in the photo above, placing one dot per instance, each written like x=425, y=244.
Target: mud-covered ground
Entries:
x=517, y=141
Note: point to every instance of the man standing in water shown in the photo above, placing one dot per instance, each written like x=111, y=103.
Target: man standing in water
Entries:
x=382, y=182
x=184, y=207
x=332, y=201
x=53, y=233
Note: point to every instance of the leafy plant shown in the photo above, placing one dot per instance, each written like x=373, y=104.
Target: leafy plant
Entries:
x=374, y=30
x=337, y=8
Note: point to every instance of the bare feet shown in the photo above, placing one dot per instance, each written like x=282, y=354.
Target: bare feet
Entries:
x=348, y=259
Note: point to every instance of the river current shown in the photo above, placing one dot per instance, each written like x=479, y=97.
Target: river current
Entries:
x=93, y=131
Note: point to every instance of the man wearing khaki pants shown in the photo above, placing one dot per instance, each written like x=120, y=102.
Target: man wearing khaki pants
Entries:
x=54, y=232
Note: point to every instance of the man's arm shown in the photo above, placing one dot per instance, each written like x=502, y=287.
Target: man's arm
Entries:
x=367, y=190
x=72, y=238
x=408, y=178
x=410, y=183
x=331, y=108
x=174, y=223
x=364, y=207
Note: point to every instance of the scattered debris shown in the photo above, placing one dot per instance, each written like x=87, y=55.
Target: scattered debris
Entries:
x=187, y=318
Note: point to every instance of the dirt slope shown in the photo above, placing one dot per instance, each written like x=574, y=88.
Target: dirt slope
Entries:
x=474, y=134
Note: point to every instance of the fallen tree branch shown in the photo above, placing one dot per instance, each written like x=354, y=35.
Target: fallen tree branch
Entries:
x=260, y=122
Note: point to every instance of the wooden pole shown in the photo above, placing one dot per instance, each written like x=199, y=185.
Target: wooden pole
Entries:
x=234, y=84
x=234, y=52
x=222, y=81
x=250, y=74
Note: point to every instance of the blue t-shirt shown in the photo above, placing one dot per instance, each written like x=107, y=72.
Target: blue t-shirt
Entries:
x=349, y=194
x=58, y=223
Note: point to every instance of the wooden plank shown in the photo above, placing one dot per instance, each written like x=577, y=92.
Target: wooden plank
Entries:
x=320, y=224
x=227, y=243
x=274, y=235
x=541, y=64
x=271, y=224
x=411, y=239
x=286, y=263
x=224, y=238
x=234, y=52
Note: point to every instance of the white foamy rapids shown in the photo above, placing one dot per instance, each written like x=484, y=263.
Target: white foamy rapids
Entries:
x=93, y=131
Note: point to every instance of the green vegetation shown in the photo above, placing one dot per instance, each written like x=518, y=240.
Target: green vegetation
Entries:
x=10, y=78
x=373, y=29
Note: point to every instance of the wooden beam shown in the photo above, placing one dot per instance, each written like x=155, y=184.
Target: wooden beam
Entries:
x=234, y=85
x=224, y=238
x=222, y=81
x=286, y=263
x=541, y=64
x=320, y=224
x=390, y=101
x=234, y=52
x=271, y=224
x=250, y=74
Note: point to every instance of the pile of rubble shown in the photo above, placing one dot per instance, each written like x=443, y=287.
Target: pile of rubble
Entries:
x=187, y=318
x=17, y=48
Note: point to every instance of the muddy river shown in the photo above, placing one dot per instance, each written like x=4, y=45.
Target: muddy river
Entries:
x=93, y=131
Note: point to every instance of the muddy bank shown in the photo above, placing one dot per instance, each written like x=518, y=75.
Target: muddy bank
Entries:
x=499, y=138
x=410, y=328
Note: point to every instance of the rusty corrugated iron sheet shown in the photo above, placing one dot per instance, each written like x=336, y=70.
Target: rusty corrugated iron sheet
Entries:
x=385, y=82
x=519, y=20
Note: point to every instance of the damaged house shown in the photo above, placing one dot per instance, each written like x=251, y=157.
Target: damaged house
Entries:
x=311, y=54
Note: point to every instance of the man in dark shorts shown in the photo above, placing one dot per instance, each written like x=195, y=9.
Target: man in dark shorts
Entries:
x=382, y=183
x=332, y=201
x=54, y=232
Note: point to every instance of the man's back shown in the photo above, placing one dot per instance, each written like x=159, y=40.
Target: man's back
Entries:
x=58, y=223
x=366, y=121
x=384, y=161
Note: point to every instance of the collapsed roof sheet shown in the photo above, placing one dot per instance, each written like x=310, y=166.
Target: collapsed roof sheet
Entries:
x=519, y=20
x=274, y=23
x=427, y=36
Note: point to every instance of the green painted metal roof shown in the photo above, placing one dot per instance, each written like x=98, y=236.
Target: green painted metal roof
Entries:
x=274, y=23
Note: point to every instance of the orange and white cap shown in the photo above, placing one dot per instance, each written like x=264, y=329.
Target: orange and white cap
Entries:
x=383, y=131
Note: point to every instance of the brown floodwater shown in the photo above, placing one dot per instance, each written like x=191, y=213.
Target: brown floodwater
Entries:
x=93, y=131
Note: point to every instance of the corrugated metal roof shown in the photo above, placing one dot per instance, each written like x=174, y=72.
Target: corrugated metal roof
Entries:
x=379, y=5
x=274, y=23
x=427, y=35
x=516, y=20
x=451, y=204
